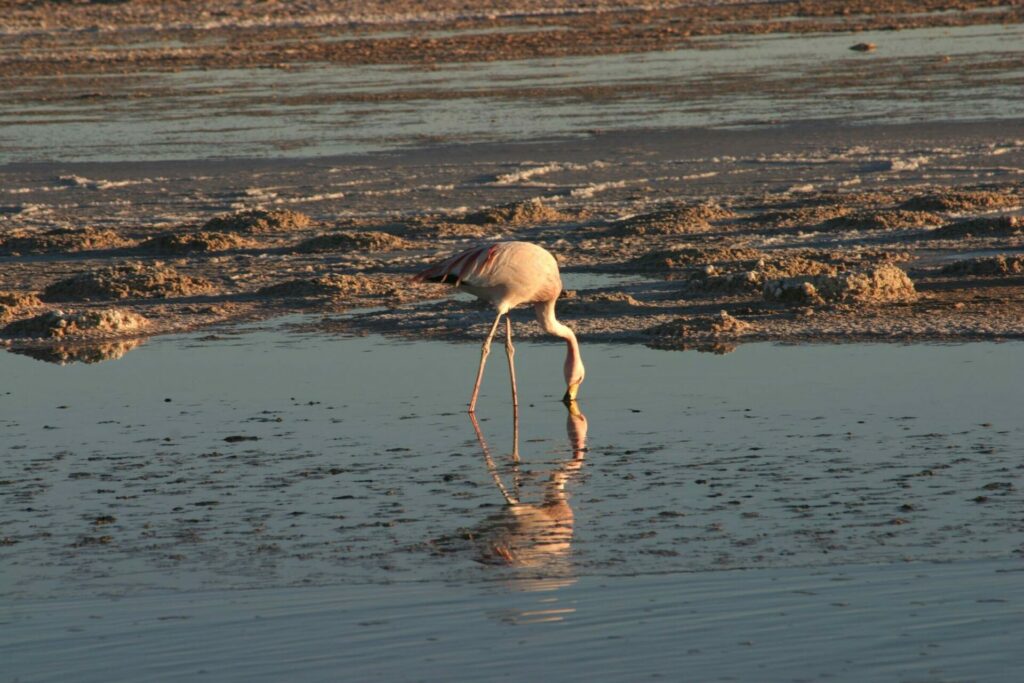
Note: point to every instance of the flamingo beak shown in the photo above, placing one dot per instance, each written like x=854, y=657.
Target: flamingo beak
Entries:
x=570, y=393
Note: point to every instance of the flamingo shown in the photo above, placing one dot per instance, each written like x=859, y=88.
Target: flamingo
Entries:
x=507, y=274
x=534, y=534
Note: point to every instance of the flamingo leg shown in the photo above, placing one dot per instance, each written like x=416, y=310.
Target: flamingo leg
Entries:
x=515, y=439
x=510, y=351
x=491, y=467
x=484, y=351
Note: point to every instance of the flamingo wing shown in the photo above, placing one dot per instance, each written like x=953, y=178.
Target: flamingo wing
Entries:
x=466, y=266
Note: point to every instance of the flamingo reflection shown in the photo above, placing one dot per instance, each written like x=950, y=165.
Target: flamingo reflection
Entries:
x=534, y=535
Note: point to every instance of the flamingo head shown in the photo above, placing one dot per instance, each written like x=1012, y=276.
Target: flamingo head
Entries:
x=574, y=374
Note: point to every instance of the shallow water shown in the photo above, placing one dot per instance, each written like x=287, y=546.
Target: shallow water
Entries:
x=894, y=623
x=341, y=480
x=356, y=461
x=928, y=74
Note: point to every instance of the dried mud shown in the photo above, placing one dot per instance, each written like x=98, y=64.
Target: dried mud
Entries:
x=189, y=242
x=104, y=322
x=532, y=212
x=130, y=281
x=347, y=287
x=13, y=304
x=880, y=285
x=990, y=265
x=985, y=226
x=60, y=240
x=352, y=241
x=844, y=266
x=674, y=220
x=258, y=221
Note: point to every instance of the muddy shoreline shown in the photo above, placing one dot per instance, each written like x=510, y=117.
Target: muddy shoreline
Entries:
x=686, y=223
x=706, y=173
x=59, y=39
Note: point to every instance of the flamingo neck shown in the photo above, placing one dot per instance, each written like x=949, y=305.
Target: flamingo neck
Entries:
x=546, y=316
x=573, y=362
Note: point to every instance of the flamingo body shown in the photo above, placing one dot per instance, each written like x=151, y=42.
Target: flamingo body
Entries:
x=508, y=274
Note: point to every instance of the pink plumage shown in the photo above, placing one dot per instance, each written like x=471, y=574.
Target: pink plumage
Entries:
x=508, y=274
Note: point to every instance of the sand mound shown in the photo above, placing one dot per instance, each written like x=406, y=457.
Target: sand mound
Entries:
x=678, y=220
x=752, y=277
x=985, y=226
x=702, y=334
x=332, y=286
x=352, y=241
x=883, y=220
x=961, y=200
x=126, y=282
x=60, y=324
x=60, y=240
x=599, y=302
x=530, y=212
x=990, y=265
x=685, y=257
x=256, y=221
x=184, y=243
x=802, y=217
x=64, y=354
x=882, y=284
x=11, y=303
x=458, y=230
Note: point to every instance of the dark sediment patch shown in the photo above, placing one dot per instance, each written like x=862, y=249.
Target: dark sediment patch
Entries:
x=688, y=256
x=352, y=241
x=675, y=220
x=799, y=217
x=984, y=226
x=60, y=240
x=530, y=212
x=126, y=282
x=896, y=219
x=1000, y=264
x=193, y=242
x=444, y=229
x=599, y=302
x=962, y=200
x=258, y=221
x=336, y=286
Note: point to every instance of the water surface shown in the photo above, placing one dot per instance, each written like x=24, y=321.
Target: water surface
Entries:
x=273, y=458
x=273, y=502
x=929, y=74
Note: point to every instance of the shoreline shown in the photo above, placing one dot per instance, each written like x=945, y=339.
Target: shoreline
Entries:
x=691, y=222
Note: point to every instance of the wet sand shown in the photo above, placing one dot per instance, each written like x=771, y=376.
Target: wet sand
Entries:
x=693, y=222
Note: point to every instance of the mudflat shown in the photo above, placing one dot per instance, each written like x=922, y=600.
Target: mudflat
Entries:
x=705, y=174
x=677, y=238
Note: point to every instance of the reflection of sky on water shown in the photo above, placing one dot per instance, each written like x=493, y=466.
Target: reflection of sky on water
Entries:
x=217, y=113
x=365, y=461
